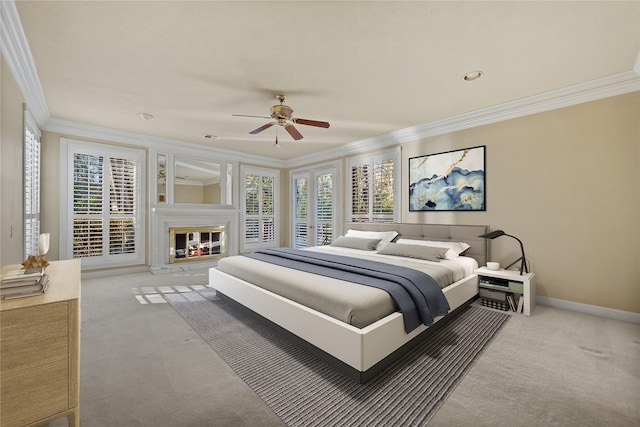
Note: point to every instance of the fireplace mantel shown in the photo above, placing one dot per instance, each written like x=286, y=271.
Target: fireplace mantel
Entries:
x=165, y=217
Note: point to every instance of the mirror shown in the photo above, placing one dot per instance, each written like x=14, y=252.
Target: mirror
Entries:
x=201, y=182
x=162, y=178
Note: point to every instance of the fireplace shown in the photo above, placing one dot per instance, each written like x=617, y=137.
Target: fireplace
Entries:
x=189, y=218
x=196, y=243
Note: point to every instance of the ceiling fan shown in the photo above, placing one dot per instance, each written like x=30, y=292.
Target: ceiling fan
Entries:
x=281, y=114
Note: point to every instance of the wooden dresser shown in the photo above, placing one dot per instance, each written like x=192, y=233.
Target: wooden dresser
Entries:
x=40, y=352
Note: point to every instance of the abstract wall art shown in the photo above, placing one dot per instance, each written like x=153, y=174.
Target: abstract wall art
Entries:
x=449, y=181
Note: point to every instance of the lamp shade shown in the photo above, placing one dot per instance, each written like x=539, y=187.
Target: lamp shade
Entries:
x=493, y=234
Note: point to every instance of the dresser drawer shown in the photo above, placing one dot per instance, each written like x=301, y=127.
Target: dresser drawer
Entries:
x=34, y=361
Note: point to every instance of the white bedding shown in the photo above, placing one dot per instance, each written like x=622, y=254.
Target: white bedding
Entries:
x=348, y=302
x=461, y=266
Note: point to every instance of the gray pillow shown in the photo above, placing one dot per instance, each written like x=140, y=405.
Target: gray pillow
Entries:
x=356, y=243
x=429, y=253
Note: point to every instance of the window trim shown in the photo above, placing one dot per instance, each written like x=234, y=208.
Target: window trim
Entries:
x=262, y=172
x=67, y=149
x=394, y=154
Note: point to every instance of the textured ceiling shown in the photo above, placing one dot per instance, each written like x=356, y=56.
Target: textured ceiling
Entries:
x=368, y=68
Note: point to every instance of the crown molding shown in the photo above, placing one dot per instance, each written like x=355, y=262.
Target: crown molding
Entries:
x=17, y=54
x=75, y=129
x=617, y=84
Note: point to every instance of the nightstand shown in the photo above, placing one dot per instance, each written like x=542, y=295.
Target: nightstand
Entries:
x=505, y=282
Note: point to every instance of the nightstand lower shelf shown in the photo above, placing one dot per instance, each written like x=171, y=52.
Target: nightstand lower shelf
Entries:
x=506, y=290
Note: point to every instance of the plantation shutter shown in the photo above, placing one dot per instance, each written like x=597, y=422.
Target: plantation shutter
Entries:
x=268, y=212
x=31, y=186
x=259, y=211
x=122, y=206
x=360, y=179
x=88, y=204
x=313, y=205
x=373, y=188
x=382, y=201
x=324, y=209
x=301, y=212
x=252, y=209
x=105, y=217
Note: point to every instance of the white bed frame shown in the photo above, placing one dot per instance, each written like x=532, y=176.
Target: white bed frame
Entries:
x=361, y=353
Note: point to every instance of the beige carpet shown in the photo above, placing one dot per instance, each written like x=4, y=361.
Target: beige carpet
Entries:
x=143, y=365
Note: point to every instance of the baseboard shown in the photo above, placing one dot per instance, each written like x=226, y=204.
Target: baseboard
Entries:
x=116, y=271
x=182, y=266
x=609, y=313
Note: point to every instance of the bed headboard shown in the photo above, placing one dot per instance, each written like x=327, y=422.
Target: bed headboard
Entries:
x=479, y=249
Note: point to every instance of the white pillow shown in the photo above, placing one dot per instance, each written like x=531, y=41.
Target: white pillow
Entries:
x=384, y=236
x=455, y=248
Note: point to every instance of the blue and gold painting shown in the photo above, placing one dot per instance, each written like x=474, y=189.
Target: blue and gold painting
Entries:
x=450, y=181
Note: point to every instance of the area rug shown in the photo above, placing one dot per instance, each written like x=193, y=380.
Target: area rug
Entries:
x=304, y=391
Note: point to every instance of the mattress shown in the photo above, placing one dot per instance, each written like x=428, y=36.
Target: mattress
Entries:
x=348, y=302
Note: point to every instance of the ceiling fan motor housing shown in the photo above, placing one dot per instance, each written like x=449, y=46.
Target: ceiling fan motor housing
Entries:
x=281, y=111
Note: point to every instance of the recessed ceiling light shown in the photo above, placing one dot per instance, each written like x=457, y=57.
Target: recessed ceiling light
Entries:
x=146, y=116
x=474, y=75
x=209, y=136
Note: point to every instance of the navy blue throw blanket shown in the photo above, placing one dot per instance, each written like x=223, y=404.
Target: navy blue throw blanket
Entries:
x=416, y=294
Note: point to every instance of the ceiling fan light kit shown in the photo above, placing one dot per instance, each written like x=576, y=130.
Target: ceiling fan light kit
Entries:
x=282, y=114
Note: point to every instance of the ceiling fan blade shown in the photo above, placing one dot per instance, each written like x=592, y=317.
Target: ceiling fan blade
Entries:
x=247, y=115
x=261, y=128
x=293, y=132
x=312, y=123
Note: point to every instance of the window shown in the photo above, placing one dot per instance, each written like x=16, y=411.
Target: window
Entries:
x=374, y=187
x=259, y=207
x=313, y=205
x=324, y=209
x=300, y=211
x=31, y=185
x=104, y=218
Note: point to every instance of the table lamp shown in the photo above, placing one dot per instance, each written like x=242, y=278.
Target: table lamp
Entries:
x=523, y=261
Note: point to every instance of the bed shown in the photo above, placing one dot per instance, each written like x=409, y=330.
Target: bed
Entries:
x=359, y=343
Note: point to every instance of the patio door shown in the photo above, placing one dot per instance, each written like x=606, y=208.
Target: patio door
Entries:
x=313, y=207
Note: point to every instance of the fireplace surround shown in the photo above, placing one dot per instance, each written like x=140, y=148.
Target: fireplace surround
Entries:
x=200, y=218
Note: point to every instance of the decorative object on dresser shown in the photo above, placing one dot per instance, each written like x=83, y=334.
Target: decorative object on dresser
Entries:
x=40, y=351
x=507, y=290
x=449, y=181
x=39, y=261
x=523, y=261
